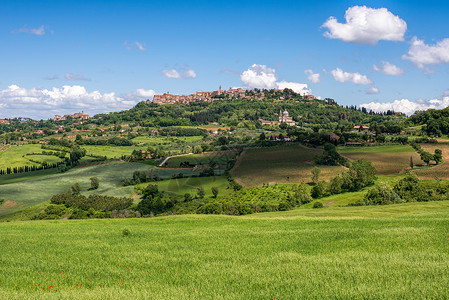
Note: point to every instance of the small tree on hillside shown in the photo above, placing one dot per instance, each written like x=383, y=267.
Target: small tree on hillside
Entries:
x=426, y=157
x=438, y=156
x=200, y=192
x=94, y=183
x=76, y=189
x=215, y=191
x=411, y=162
x=316, y=174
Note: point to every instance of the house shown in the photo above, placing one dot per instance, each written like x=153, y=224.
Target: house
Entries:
x=4, y=121
x=333, y=137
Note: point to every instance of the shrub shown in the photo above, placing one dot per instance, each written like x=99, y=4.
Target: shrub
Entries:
x=318, y=204
x=126, y=232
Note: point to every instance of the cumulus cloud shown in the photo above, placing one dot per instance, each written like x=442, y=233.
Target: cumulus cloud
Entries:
x=313, y=77
x=300, y=88
x=262, y=77
x=406, y=106
x=76, y=77
x=422, y=54
x=388, y=69
x=141, y=94
x=259, y=76
x=135, y=45
x=366, y=25
x=36, y=31
x=372, y=91
x=44, y=103
x=189, y=73
x=184, y=73
x=357, y=78
x=171, y=73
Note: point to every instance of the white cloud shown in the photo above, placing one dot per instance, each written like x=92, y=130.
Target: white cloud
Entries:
x=259, y=76
x=189, y=73
x=299, y=88
x=388, y=69
x=141, y=95
x=357, y=78
x=185, y=73
x=313, y=77
x=76, y=77
x=44, y=103
x=372, y=91
x=171, y=73
x=421, y=54
x=262, y=77
x=406, y=106
x=36, y=31
x=366, y=25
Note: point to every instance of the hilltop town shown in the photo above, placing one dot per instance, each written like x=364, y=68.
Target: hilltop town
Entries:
x=230, y=94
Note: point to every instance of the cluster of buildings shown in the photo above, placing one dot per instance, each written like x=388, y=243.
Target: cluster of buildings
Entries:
x=4, y=121
x=80, y=115
x=168, y=98
x=284, y=117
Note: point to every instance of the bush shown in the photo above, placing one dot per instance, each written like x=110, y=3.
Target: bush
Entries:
x=318, y=204
x=380, y=195
x=126, y=232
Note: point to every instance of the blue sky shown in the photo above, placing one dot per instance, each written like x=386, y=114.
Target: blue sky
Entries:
x=60, y=57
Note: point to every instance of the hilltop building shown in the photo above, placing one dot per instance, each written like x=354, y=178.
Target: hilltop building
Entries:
x=284, y=117
x=80, y=115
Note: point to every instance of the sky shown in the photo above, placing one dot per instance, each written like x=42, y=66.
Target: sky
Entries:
x=61, y=57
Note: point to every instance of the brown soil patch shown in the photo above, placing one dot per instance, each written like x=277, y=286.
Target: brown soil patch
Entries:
x=9, y=204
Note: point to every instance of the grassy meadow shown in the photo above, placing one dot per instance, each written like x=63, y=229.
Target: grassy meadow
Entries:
x=13, y=156
x=394, y=252
x=280, y=164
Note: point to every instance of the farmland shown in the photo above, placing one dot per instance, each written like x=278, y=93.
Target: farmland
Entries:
x=388, y=160
x=26, y=193
x=363, y=252
x=279, y=164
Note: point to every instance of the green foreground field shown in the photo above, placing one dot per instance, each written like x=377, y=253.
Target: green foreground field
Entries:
x=394, y=252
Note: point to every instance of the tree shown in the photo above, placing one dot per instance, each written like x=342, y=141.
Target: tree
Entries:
x=318, y=190
x=426, y=157
x=215, y=191
x=76, y=189
x=262, y=137
x=198, y=149
x=411, y=162
x=316, y=174
x=361, y=173
x=380, y=195
x=438, y=156
x=200, y=192
x=94, y=183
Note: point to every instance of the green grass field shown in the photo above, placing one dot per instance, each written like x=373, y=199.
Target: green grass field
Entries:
x=163, y=140
x=280, y=164
x=13, y=156
x=111, y=151
x=388, y=252
x=219, y=158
